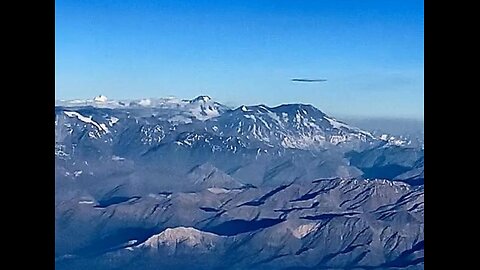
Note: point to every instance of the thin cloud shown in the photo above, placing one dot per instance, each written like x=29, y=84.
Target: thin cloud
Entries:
x=308, y=80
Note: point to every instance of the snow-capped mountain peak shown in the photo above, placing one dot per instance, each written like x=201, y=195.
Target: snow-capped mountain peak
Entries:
x=203, y=98
x=100, y=99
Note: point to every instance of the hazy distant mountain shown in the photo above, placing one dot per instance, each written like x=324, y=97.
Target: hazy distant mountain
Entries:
x=407, y=130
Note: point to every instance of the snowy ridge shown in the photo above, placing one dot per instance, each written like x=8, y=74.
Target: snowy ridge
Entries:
x=201, y=108
x=88, y=120
x=291, y=126
x=202, y=121
x=339, y=125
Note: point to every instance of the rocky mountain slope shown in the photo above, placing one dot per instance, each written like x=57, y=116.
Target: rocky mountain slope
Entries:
x=327, y=224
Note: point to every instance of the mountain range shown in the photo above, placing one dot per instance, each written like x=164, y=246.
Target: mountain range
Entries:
x=145, y=184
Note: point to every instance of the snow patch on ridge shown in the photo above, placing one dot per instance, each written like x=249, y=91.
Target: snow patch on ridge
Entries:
x=215, y=190
x=113, y=120
x=337, y=124
x=303, y=230
x=88, y=120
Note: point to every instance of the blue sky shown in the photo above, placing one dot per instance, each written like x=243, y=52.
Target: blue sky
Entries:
x=246, y=52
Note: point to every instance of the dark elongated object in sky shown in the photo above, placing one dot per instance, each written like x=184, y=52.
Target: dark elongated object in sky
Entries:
x=309, y=80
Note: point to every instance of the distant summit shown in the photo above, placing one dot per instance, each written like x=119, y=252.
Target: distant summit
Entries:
x=100, y=99
x=200, y=99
